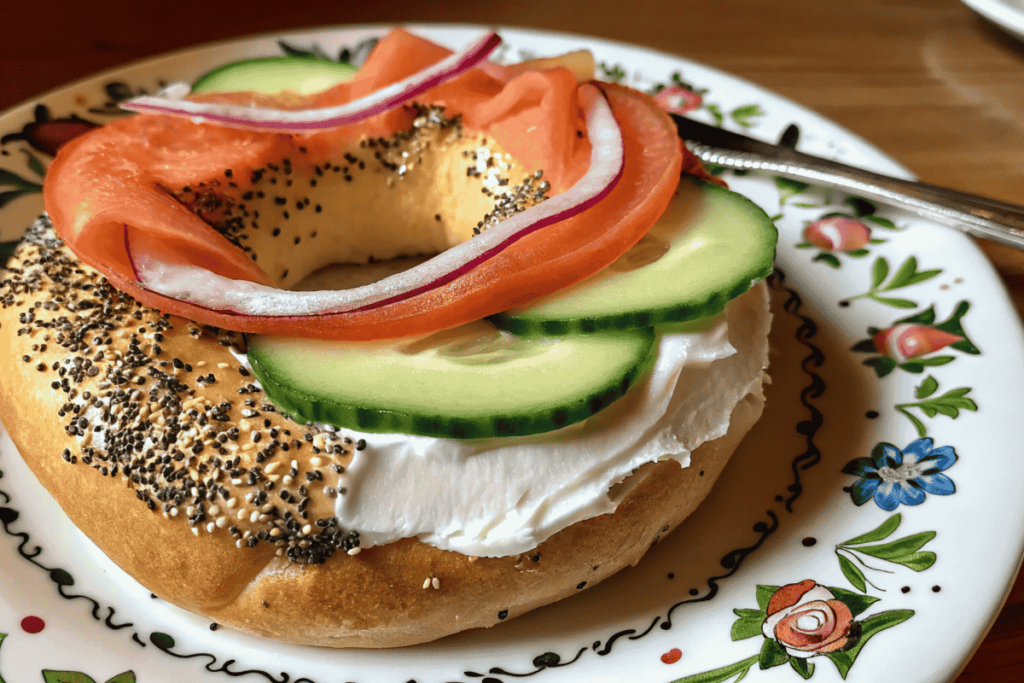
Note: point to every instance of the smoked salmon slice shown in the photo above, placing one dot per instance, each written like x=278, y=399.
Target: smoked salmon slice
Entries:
x=122, y=182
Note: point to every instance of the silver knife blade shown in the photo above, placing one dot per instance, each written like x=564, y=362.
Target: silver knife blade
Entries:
x=978, y=216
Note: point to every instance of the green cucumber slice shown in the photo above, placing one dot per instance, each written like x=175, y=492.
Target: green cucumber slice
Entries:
x=304, y=75
x=709, y=247
x=470, y=382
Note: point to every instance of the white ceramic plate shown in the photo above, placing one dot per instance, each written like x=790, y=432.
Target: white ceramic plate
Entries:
x=908, y=602
x=1008, y=14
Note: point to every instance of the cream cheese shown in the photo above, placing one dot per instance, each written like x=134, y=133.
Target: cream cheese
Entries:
x=504, y=496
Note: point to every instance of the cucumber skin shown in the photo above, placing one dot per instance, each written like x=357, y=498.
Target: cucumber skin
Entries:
x=693, y=310
x=304, y=408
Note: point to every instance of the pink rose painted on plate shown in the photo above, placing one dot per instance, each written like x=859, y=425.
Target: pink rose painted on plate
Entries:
x=678, y=100
x=905, y=341
x=801, y=621
x=838, y=233
x=807, y=620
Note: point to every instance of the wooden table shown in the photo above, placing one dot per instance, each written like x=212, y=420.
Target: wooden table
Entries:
x=927, y=81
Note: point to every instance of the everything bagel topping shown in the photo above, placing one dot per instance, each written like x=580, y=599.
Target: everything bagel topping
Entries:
x=139, y=413
x=395, y=194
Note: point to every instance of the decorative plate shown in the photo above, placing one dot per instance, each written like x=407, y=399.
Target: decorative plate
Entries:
x=868, y=528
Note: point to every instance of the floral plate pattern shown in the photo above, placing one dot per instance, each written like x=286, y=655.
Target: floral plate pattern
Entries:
x=847, y=539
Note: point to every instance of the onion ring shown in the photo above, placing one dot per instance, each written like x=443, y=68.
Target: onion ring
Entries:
x=261, y=118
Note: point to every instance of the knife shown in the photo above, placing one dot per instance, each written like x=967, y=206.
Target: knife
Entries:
x=977, y=216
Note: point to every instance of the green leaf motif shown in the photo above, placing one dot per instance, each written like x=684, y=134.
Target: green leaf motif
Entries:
x=716, y=112
x=895, y=302
x=864, y=346
x=856, y=602
x=861, y=207
x=742, y=115
x=788, y=188
x=908, y=275
x=66, y=677
x=949, y=404
x=802, y=667
x=613, y=73
x=852, y=573
x=772, y=655
x=954, y=326
x=926, y=388
x=749, y=623
x=879, y=271
x=126, y=677
x=882, y=365
x=861, y=253
x=739, y=669
x=677, y=78
x=2, y=636
x=899, y=548
x=905, y=276
x=881, y=222
x=869, y=627
x=922, y=431
x=161, y=640
x=828, y=259
x=78, y=677
x=884, y=530
x=918, y=561
x=35, y=164
x=933, y=361
x=764, y=595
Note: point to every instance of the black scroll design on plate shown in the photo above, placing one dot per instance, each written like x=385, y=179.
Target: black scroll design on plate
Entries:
x=165, y=643
x=808, y=428
x=61, y=577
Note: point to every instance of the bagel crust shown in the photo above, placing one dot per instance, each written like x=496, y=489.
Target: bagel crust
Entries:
x=170, y=458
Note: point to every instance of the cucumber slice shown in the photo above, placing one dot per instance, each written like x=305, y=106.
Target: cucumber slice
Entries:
x=304, y=75
x=709, y=247
x=470, y=382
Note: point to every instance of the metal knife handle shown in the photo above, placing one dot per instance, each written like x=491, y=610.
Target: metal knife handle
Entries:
x=993, y=220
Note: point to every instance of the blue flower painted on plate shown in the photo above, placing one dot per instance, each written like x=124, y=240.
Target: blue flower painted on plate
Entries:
x=893, y=477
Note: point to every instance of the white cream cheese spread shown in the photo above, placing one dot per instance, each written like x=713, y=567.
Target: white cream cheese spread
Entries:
x=504, y=496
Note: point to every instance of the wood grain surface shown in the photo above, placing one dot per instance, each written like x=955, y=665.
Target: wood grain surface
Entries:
x=927, y=81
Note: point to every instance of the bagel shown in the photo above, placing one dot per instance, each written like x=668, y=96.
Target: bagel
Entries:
x=84, y=356
x=154, y=435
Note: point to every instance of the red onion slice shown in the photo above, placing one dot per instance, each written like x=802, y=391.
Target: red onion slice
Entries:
x=261, y=118
x=206, y=289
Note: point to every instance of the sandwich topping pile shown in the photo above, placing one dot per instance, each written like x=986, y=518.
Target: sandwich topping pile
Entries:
x=532, y=304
